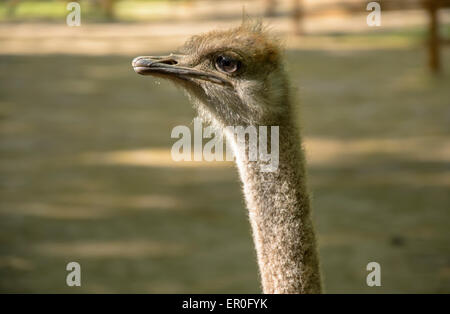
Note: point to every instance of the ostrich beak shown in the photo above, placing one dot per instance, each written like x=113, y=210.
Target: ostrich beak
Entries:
x=169, y=67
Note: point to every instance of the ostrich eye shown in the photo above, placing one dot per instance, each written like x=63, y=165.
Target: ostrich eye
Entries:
x=227, y=64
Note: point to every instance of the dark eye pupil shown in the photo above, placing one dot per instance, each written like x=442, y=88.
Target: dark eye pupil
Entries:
x=227, y=64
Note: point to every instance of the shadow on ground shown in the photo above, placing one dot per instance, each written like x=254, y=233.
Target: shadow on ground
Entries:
x=158, y=228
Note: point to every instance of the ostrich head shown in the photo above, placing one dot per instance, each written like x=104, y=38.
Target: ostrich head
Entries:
x=233, y=77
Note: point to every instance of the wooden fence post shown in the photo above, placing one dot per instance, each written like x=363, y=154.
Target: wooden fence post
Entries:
x=298, y=16
x=433, y=42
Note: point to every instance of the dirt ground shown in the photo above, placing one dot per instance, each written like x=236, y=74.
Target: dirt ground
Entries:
x=86, y=173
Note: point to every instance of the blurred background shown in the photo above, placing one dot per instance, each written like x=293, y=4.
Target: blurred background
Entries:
x=86, y=172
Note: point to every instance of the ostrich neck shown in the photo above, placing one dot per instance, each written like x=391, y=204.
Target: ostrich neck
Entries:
x=279, y=212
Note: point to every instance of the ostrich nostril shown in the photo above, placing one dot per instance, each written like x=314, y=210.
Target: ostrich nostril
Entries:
x=168, y=61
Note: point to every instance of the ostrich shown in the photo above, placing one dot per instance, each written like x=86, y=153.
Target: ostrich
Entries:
x=236, y=78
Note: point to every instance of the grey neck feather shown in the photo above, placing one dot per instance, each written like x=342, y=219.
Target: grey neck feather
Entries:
x=279, y=212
